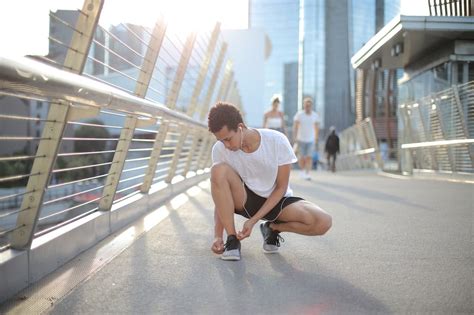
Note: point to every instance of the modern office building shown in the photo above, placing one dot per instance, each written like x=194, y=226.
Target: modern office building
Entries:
x=434, y=55
x=337, y=104
x=279, y=20
x=326, y=33
x=369, y=17
x=246, y=48
x=290, y=90
x=312, y=51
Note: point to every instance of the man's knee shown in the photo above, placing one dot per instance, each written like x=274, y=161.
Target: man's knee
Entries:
x=219, y=173
x=322, y=222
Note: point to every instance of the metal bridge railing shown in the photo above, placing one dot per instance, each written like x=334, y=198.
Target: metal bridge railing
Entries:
x=96, y=164
x=122, y=116
x=358, y=147
x=437, y=132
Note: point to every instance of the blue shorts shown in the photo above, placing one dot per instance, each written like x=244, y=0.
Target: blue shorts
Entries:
x=305, y=148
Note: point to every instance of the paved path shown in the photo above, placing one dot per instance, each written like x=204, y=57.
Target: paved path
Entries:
x=396, y=246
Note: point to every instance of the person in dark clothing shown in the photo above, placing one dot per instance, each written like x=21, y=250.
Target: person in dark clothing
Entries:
x=332, y=148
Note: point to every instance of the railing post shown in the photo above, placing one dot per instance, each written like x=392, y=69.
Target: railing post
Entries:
x=118, y=162
x=208, y=158
x=196, y=137
x=427, y=135
x=155, y=155
x=228, y=87
x=373, y=142
x=177, y=153
x=204, y=69
x=82, y=39
x=40, y=174
x=203, y=150
x=231, y=95
x=54, y=129
x=360, y=134
x=153, y=50
x=181, y=71
x=228, y=76
x=210, y=90
x=406, y=159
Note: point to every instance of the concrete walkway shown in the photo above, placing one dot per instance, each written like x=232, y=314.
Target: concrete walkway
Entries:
x=396, y=246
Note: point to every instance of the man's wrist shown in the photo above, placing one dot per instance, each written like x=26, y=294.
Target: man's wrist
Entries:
x=254, y=220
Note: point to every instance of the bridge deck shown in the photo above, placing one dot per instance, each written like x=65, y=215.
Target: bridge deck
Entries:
x=396, y=246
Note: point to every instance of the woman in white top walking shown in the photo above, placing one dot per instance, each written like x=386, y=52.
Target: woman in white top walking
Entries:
x=274, y=118
x=306, y=133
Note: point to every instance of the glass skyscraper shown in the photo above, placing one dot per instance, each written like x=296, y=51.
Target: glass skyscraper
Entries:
x=312, y=50
x=279, y=19
x=319, y=37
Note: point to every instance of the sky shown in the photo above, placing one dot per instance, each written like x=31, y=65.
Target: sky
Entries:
x=414, y=7
x=24, y=24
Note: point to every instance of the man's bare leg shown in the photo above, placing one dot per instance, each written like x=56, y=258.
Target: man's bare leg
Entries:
x=308, y=164
x=301, y=162
x=228, y=194
x=305, y=218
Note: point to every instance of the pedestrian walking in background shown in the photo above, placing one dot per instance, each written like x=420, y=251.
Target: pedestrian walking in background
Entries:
x=305, y=133
x=274, y=118
x=383, y=147
x=332, y=148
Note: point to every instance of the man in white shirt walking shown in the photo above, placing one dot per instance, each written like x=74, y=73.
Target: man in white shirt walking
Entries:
x=305, y=133
x=249, y=177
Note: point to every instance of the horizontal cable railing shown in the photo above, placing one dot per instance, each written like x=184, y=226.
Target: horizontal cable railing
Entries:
x=78, y=181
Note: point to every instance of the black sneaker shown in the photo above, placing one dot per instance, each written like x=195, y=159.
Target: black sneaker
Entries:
x=231, y=248
x=271, y=238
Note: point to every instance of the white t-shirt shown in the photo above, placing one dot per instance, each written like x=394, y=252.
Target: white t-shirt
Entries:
x=259, y=169
x=306, y=127
x=274, y=122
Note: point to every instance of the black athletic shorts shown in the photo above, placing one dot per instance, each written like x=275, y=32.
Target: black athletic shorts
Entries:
x=255, y=202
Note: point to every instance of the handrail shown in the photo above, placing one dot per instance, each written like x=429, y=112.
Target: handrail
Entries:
x=37, y=79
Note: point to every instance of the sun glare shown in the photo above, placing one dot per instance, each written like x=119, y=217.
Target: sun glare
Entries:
x=181, y=16
x=30, y=35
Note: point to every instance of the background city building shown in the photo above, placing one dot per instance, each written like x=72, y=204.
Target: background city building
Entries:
x=403, y=68
x=312, y=43
x=380, y=105
x=247, y=51
x=279, y=19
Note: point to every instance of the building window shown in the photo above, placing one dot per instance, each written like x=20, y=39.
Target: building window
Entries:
x=470, y=76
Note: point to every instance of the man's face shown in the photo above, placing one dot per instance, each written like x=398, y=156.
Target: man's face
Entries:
x=230, y=138
x=308, y=106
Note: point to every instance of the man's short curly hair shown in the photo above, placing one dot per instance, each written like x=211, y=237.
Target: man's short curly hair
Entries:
x=223, y=114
